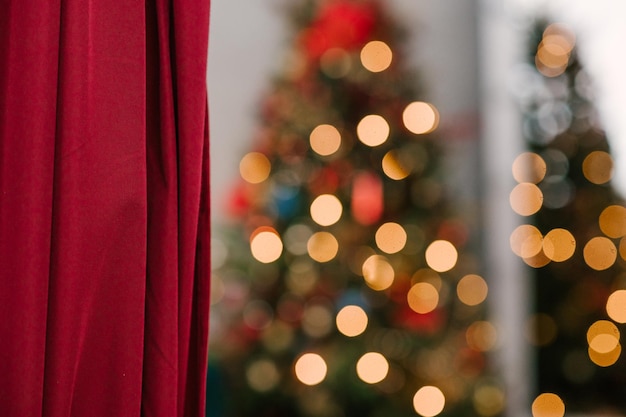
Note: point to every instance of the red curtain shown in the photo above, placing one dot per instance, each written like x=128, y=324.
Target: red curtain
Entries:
x=104, y=208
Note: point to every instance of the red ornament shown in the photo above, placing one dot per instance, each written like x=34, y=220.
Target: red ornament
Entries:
x=367, y=198
x=340, y=24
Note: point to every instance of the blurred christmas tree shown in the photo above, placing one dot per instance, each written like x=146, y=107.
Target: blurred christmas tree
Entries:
x=347, y=285
x=575, y=233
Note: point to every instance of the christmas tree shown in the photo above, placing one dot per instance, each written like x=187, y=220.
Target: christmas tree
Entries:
x=349, y=284
x=574, y=231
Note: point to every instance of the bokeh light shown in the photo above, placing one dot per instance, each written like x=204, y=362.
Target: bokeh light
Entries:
x=396, y=166
x=481, y=336
x=373, y=130
x=266, y=245
x=420, y=117
x=612, y=221
x=526, y=241
x=526, y=199
x=603, y=336
x=600, y=253
x=529, y=167
x=598, y=167
x=322, y=246
x=254, y=167
x=376, y=56
x=472, y=289
x=310, y=368
x=548, y=405
x=378, y=272
x=326, y=210
x=372, y=367
x=325, y=139
x=429, y=401
x=616, y=306
x=390, y=237
x=559, y=245
x=423, y=297
x=441, y=255
x=351, y=320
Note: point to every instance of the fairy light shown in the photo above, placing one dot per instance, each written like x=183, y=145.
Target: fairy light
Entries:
x=548, y=405
x=310, y=368
x=325, y=139
x=351, y=320
x=373, y=130
x=255, y=167
x=326, y=209
x=376, y=56
x=420, y=117
x=378, y=272
x=472, y=289
x=526, y=199
x=372, y=367
x=441, y=255
x=322, y=246
x=600, y=253
x=429, y=401
x=390, y=237
x=266, y=245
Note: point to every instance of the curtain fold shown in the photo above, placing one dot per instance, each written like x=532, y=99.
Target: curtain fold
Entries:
x=104, y=210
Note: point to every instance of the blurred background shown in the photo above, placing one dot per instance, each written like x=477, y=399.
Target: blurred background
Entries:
x=510, y=129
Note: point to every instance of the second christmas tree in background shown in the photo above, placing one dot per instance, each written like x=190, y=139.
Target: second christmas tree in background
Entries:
x=345, y=284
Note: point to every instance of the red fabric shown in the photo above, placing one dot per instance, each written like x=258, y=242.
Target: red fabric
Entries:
x=104, y=211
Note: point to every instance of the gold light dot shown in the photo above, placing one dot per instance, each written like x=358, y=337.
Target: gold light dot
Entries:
x=372, y=367
x=310, y=368
x=326, y=209
x=373, y=130
x=254, y=167
x=429, y=401
x=563, y=35
x=376, y=56
x=548, y=405
x=322, y=246
x=526, y=241
x=390, y=237
x=378, y=273
x=622, y=248
x=317, y=320
x=472, y=289
x=537, y=261
x=603, y=336
x=600, y=253
x=481, y=336
x=529, y=167
x=559, y=245
x=266, y=245
x=395, y=166
x=605, y=359
x=423, y=297
x=616, y=306
x=351, y=320
x=262, y=375
x=598, y=167
x=526, y=199
x=612, y=221
x=325, y=139
x=420, y=117
x=441, y=255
